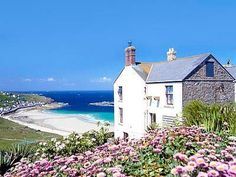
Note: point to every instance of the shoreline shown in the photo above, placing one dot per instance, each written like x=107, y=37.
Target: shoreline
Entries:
x=39, y=118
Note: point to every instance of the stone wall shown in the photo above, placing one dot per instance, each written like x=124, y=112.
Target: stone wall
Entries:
x=217, y=89
x=208, y=91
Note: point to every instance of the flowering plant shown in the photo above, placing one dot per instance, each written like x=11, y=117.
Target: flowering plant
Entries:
x=179, y=151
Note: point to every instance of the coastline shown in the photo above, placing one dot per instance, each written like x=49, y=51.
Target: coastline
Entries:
x=39, y=118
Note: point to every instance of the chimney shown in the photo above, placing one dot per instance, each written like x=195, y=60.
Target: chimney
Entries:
x=228, y=64
x=171, y=54
x=130, y=55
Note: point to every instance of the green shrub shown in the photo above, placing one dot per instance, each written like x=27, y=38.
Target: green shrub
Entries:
x=73, y=143
x=12, y=156
x=213, y=117
x=6, y=162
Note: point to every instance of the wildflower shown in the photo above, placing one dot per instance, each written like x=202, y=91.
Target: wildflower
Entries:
x=107, y=160
x=157, y=150
x=101, y=174
x=87, y=164
x=214, y=164
x=200, y=161
x=189, y=168
x=191, y=163
x=178, y=170
x=222, y=167
x=232, y=170
x=180, y=156
x=213, y=173
x=202, y=174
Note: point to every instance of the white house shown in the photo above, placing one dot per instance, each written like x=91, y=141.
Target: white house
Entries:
x=146, y=93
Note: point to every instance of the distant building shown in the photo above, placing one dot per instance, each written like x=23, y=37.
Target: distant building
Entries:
x=146, y=93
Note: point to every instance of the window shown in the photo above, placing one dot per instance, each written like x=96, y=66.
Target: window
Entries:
x=121, y=115
x=169, y=95
x=210, y=69
x=120, y=92
x=153, y=118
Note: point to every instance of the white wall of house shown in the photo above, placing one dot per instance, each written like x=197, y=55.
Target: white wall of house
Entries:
x=162, y=109
x=133, y=104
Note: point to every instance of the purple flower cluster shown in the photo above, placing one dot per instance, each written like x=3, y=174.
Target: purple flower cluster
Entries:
x=195, y=153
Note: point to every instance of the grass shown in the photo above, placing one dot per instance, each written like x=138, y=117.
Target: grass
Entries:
x=12, y=133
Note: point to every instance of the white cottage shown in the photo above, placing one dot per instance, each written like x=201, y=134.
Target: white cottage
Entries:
x=147, y=93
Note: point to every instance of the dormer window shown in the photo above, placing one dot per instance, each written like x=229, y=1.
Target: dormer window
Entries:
x=120, y=93
x=210, y=69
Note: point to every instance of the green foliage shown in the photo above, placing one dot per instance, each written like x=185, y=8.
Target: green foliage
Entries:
x=21, y=151
x=215, y=117
x=152, y=127
x=13, y=155
x=74, y=143
x=6, y=161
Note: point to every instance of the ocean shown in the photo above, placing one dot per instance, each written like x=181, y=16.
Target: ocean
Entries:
x=82, y=102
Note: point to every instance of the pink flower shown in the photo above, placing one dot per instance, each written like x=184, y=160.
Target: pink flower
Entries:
x=101, y=174
x=232, y=170
x=178, y=170
x=213, y=173
x=222, y=167
x=202, y=174
x=107, y=160
x=200, y=161
x=181, y=157
x=214, y=164
x=189, y=168
x=191, y=163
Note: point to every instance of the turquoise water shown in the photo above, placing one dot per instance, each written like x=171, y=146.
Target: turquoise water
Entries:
x=79, y=103
x=103, y=116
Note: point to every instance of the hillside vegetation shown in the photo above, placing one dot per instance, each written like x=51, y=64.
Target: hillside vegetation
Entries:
x=13, y=133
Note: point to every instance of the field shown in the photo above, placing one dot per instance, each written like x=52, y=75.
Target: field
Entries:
x=12, y=133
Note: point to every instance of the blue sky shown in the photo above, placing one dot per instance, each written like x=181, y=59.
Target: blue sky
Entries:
x=79, y=45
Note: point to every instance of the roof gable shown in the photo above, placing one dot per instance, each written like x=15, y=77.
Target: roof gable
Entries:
x=172, y=71
x=232, y=70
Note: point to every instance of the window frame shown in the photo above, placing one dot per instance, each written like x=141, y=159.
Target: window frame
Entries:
x=169, y=95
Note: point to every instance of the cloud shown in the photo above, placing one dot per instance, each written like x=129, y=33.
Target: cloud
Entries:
x=103, y=79
x=51, y=79
x=27, y=80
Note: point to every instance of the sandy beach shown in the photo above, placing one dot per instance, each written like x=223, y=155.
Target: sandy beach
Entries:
x=40, y=118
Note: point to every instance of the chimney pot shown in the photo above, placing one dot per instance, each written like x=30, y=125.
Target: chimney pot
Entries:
x=171, y=54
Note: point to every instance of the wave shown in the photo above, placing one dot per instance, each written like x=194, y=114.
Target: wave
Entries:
x=103, y=103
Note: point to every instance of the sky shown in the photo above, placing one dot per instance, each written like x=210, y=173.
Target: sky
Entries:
x=79, y=44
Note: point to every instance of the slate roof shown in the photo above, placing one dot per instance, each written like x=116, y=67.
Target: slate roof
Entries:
x=140, y=71
x=231, y=70
x=176, y=70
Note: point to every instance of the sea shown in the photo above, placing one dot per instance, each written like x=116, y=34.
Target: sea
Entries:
x=82, y=103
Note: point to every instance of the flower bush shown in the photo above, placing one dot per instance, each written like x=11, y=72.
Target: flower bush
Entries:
x=73, y=143
x=180, y=151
